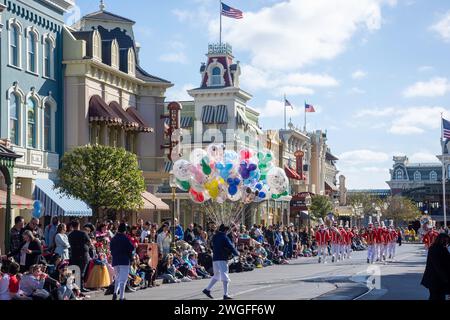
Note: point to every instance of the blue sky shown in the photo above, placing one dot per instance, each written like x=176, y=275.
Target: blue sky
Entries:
x=377, y=71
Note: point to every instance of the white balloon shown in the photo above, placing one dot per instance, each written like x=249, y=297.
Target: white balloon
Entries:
x=181, y=169
x=216, y=151
x=197, y=155
x=277, y=180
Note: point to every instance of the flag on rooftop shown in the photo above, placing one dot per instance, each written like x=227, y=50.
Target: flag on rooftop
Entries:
x=230, y=12
x=309, y=108
x=288, y=104
x=445, y=129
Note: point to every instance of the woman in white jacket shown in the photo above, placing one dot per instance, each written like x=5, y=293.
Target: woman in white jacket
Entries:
x=62, y=242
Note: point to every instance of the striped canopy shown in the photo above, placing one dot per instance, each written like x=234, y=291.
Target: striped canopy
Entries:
x=17, y=202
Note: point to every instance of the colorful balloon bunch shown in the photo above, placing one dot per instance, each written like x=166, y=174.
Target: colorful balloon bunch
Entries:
x=220, y=175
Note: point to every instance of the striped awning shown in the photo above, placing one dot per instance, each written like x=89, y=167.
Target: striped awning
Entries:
x=168, y=166
x=221, y=114
x=208, y=114
x=56, y=204
x=243, y=120
x=152, y=202
x=17, y=202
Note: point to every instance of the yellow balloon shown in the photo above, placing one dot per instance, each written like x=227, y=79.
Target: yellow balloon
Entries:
x=213, y=188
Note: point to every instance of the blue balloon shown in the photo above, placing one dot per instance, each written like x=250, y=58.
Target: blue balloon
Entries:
x=37, y=205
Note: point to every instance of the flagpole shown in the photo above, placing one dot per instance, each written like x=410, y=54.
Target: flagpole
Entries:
x=304, y=128
x=284, y=102
x=444, y=205
x=220, y=14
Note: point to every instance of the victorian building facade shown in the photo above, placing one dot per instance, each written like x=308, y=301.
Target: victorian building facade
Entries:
x=109, y=98
x=31, y=103
x=422, y=182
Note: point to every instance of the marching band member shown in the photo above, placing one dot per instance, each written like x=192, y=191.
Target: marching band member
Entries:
x=378, y=239
x=342, y=242
x=349, y=235
x=385, y=240
x=335, y=241
x=322, y=238
x=430, y=235
x=370, y=237
x=393, y=240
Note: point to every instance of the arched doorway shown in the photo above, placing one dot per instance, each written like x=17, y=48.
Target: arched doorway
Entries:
x=7, y=161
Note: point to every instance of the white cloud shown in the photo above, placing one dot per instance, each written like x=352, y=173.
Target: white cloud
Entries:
x=275, y=108
x=425, y=68
x=359, y=74
x=362, y=156
x=435, y=87
x=178, y=93
x=297, y=33
x=356, y=90
x=402, y=121
x=279, y=83
x=175, y=57
x=442, y=27
x=423, y=157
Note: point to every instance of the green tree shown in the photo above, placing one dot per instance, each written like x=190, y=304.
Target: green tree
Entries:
x=103, y=177
x=320, y=206
x=401, y=209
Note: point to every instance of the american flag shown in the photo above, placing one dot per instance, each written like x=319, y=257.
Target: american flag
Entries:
x=445, y=129
x=288, y=104
x=309, y=108
x=230, y=12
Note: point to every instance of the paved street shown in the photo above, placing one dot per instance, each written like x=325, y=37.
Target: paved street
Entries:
x=306, y=279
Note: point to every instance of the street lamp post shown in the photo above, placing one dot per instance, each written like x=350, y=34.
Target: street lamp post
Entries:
x=173, y=186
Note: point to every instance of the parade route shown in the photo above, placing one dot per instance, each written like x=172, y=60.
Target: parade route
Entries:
x=305, y=279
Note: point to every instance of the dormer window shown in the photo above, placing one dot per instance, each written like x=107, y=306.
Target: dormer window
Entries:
x=417, y=176
x=115, y=54
x=131, y=62
x=97, y=46
x=216, y=77
x=399, y=174
x=433, y=176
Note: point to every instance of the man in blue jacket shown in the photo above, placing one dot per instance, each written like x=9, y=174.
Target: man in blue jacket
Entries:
x=222, y=248
x=122, y=253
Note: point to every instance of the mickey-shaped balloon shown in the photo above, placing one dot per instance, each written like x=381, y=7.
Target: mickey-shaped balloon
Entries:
x=216, y=151
x=264, y=163
x=181, y=169
x=233, y=184
x=206, y=168
x=196, y=196
x=245, y=155
x=224, y=169
x=246, y=169
x=213, y=187
x=261, y=193
x=278, y=196
x=183, y=185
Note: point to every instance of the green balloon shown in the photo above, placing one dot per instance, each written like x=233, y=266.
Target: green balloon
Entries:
x=183, y=185
x=205, y=167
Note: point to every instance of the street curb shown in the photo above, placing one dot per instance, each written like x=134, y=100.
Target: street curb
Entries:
x=344, y=291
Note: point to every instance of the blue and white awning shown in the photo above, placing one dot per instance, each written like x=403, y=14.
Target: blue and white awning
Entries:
x=168, y=166
x=208, y=114
x=56, y=204
x=186, y=122
x=221, y=115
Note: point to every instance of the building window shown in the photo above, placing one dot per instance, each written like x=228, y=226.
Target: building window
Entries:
x=14, y=107
x=216, y=76
x=15, y=46
x=48, y=127
x=95, y=134
x=48, y=48
x=399, y=175
x=97, y=46
x=433, y=176
x=31, y=123
x=31, y=54
x=115, y=54
x=131, y=62
x=417, y=176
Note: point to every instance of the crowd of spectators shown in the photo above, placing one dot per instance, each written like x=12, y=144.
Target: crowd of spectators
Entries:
x=43, y=263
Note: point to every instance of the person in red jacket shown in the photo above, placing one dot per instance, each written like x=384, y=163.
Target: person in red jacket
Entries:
x=393, y=236
x=378, y=240
x=342, y=242
x=430, y=235
x=385, y=239
x=370, y=237
x=348, y=241
x=322, y=237
x=335, y=238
